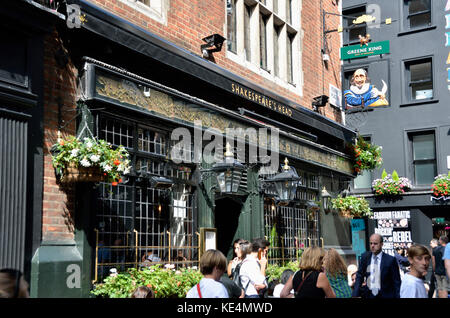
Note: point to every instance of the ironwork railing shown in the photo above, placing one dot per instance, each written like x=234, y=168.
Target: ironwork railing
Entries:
x=283, y=253
x=137, y=256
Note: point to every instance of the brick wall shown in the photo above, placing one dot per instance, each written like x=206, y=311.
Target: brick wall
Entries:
x=59, y=97
x=189, y=21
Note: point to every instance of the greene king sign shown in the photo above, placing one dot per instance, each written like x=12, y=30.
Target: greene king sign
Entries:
x=357, y=51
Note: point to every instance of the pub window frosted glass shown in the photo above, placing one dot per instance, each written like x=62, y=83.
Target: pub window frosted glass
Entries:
x=354, y=30
x=420, y=79
x=419, y=13
x=247, y=34
x=290, y=62
x=263, y=41
x=276, y=40
x=289, y=11
x=231, y=25
x=275, y=6
x=424, y=157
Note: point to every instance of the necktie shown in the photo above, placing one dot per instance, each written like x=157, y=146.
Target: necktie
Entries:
x=374, y=274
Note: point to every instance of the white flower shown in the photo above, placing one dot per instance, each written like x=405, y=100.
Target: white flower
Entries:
x=169, y=266
x=107, y=168
x=94, y=158
x=74, y=152
x=85, y=162
x=89, y=144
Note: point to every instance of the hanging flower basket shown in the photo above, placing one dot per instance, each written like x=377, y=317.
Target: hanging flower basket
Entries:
x=366, y=156
x=391, y=185
x=351, y=206
x=90, y=160
x=74, y=173
x=441, y=187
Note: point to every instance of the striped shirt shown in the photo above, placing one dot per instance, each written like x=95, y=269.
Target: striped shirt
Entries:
x=340, y=286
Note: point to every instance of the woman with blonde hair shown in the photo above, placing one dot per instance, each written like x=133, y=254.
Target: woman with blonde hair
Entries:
x=309, y=281
x=336, y=271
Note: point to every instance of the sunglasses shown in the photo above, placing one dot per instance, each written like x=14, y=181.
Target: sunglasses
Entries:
x=17, y=274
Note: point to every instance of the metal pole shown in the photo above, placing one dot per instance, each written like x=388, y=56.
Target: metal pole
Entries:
x=96, y=257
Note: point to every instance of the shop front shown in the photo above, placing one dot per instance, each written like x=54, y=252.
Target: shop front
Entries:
x=174, y=220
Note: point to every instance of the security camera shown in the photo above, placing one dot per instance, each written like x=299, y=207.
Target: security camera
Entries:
x=205, y=53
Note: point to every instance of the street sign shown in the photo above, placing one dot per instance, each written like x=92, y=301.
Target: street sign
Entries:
x=440, y=220
x=358, y=51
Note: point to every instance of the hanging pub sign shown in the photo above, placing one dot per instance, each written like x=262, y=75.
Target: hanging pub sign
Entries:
x=395, y=228
x=368, y=49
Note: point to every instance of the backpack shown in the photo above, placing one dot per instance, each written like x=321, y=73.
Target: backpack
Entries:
x=236, y=277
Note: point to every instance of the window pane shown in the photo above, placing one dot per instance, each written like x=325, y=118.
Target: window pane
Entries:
x=423, y=147
x=420, y=20
x=425, y=173
x=353, y=35
x=419, y=5
x=363, y=181
x=276, y=34
x=231, y=25
x=420, y=71
x=422, y=90
x=247, y=47
x=289, y=41
x=263, y=41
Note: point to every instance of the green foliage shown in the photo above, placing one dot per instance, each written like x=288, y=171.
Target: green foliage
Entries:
x=366, y=155
x=395, y=176
x=91, y=152
x=391, y=185
x=165, y=282
x=274, y=271
x=351, y=206
x=441, y=185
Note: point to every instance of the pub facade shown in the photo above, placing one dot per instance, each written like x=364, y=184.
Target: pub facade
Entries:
x=106, y=77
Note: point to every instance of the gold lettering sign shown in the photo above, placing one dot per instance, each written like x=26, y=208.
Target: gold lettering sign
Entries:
x=260, y=99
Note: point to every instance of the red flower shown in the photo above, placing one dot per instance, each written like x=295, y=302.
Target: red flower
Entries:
x=117, y=162
x=114, y=183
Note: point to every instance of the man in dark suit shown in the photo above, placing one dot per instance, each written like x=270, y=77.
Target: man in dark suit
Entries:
x=378, y=274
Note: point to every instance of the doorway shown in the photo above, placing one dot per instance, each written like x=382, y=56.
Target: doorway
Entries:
x=226, y=213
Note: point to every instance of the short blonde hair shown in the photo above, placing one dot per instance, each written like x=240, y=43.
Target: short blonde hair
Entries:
x=211, y=259
x=312, y=259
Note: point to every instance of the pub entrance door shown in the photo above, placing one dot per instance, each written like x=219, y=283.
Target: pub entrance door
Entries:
x=226, y=213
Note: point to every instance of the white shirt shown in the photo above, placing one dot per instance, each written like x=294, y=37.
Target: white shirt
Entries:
x=277, y=290
x=412, y=287
x=209, y=289
x=374, y=271
x=251, y=272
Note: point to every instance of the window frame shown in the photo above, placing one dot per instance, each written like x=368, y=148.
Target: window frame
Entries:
x=412, y=162
x=408, y=84
x=406, y=16
x=350, y=12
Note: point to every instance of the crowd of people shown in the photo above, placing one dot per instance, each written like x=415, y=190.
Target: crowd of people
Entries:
x=321, y=274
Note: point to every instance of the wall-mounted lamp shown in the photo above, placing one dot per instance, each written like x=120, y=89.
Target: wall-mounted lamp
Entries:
x=326, y=198
x=213, y=44
x=285, y=184
x=228, y=173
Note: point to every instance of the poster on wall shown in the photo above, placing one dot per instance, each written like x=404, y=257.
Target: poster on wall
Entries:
x=395, y=228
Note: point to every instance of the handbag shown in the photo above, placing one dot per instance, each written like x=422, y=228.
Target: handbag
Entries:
x=301, y=284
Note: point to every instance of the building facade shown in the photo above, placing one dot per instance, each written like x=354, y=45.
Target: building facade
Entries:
x=413, y=128
x=133, y=73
